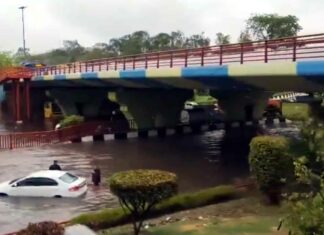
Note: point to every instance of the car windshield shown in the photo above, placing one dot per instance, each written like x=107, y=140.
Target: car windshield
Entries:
x=13, y=181
x=68, y=178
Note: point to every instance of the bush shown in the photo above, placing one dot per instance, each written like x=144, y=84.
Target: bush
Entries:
x=201, y=198
x=139, y=190
x=306, y=204
x=112, y=217
x=270, y=163
x=306, y=216
x=43, y=228
x=71, y=121
x=296, y=111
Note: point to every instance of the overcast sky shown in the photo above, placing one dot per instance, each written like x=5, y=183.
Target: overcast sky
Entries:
x=49, y=22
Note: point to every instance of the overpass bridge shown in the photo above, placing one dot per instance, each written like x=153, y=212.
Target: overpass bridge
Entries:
x=255, y=65
x=151, y=88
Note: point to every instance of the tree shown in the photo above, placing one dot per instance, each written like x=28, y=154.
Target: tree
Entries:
x=197, y=40
x=273, y=26
x=74, y=49
x=21, y=55
x=177, y=40
x=140, y=190
x=162, y=41
x=245, y=37
x=222, y=39
x=5, y=59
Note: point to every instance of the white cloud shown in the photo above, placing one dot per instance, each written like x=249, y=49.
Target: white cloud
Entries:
x=49, y=22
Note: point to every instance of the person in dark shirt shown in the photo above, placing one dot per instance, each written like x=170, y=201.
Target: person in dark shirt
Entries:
x=96, y=176
x=55, y=166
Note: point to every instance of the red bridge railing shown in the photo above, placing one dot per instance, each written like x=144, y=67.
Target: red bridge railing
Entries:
x=15, y=73
x=286, y=49
x=34, y=139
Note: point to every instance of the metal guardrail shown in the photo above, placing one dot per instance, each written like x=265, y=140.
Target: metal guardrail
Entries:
x=34, y=139
x=285, y=49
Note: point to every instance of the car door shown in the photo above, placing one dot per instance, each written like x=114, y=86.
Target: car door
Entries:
x=47, y=187
x=35, y=187
x=24, y=187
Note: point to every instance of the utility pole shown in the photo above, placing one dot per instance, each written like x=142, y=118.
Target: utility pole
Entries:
x=23, y=24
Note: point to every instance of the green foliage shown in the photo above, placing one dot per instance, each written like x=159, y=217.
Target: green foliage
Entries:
x=71, y=121
x=270, y=163
x=296, y=111
x=43, y=228
x=312, y=138
x=139, y=190
x=112, y=217
x=105, y=218
x=306, y=216
x=273, y=26
x=222, y=39
x=245, y=37
x=201, y=198
x=5, y=59
x=306, y=204
x=197, y=40
x=130, y=44
x=306, y=208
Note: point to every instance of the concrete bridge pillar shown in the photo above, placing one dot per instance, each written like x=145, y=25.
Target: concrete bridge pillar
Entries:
x=85, y=102
x=239, y=106
x=149, y=108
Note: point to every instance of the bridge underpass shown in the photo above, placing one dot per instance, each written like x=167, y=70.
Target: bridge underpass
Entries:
x=151, y=88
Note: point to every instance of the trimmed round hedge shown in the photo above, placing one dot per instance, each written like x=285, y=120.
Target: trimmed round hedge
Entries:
x=139, y=191
x=270, y=162
x=153, y=185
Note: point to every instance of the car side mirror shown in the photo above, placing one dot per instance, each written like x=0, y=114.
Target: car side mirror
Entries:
x=14, y=185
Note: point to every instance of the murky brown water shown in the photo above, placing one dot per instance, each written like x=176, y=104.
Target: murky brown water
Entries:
x=195, y=159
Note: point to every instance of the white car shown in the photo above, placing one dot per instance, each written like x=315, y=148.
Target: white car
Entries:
x=49, y=183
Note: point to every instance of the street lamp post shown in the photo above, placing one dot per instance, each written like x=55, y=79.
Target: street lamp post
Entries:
x=23, y=24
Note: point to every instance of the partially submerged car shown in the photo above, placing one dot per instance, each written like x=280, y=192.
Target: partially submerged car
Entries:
x=49, y=183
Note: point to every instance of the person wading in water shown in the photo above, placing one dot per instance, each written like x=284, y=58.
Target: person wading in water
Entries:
x=55, y=166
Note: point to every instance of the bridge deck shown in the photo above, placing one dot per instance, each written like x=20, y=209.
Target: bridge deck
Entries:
x=310, y=47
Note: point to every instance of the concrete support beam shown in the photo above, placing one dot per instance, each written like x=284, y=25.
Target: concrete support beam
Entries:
x=85, y=102
x=151, y=108
x=242, y=106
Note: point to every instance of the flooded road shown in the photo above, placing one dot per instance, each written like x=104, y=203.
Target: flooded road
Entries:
x=196, y=159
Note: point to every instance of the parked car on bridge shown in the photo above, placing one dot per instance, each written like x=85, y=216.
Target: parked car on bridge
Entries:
x=49, y=183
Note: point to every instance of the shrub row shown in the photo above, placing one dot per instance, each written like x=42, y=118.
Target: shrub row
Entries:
x=112, y=217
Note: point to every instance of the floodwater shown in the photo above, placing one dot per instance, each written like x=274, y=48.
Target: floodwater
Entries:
x=196, y=159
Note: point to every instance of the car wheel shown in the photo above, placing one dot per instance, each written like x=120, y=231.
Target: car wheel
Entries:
x=58, y=196
x=3, y=195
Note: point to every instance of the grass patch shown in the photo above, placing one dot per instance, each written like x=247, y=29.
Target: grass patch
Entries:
x=112, y=217
x=242, y=226
x=248, y=225
x=244, y=216
x=296, y=111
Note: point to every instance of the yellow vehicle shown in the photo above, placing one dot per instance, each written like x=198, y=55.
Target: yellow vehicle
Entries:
x=51, y=110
